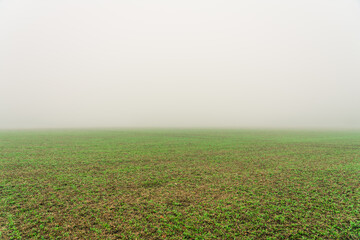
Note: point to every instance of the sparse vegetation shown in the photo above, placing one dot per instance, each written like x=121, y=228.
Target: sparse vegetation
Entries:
x=179, y=184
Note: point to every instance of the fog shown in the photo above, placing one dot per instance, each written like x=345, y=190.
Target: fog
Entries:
x=232, y=64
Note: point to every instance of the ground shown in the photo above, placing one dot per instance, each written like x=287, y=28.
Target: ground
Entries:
x=179, y=184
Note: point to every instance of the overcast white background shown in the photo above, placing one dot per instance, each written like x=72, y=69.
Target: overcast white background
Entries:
x=237, y=64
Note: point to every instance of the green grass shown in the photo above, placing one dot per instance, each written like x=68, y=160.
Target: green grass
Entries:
x=179, y=184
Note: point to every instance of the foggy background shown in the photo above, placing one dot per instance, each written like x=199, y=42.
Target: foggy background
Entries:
x=233, y=64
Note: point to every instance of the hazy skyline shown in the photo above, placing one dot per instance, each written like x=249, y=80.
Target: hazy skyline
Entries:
x=237, y=64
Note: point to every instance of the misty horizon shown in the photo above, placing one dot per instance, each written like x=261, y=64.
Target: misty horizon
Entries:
x=198, y=64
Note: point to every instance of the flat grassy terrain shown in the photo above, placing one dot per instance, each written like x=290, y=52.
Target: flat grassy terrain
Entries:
x=179, y=184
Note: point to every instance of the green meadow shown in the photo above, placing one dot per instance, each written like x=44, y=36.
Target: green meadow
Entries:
x=179, y=184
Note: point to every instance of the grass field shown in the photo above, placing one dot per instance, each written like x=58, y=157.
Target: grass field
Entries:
x=179, y=184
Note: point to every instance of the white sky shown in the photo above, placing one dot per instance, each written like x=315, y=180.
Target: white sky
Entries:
x=211, y=63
